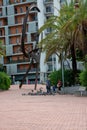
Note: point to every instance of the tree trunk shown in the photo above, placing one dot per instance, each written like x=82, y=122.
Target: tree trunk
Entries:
x=36, y=80
x=74, y=64
x=84, y=25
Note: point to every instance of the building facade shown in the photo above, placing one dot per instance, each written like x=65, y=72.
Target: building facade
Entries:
x=48, y=8
x=12, y=14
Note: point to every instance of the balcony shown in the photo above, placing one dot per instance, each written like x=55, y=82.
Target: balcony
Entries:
x=2, y=36
x=15, y=34
x=24, y=70
x=49, y=10
x=17, y=61
x=17, y=2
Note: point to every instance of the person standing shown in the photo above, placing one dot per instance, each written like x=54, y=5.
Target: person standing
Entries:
x=48, y=86
x=13, y=78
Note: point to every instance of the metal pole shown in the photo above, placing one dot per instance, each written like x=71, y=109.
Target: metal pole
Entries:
x=63, y=70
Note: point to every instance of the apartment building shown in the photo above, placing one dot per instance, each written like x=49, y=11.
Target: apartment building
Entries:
x=12, y=13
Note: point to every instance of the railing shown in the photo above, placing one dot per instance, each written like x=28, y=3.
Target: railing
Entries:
x=20, y=1
x=16, y=61
x=48, y=0
x=24, y=70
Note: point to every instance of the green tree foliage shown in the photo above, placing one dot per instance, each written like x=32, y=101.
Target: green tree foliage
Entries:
x=83, y=75
x=83, y=78
x=5, y=81
x=69, y=31
x=57, y=75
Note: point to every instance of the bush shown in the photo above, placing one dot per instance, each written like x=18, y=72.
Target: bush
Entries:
x=83, y=78
x=69, y=78
x=57, y=75
x=5, y=81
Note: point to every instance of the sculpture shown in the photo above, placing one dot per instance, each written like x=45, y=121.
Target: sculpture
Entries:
x=34, y=54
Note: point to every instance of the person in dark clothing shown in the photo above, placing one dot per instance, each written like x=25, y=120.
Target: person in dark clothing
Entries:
x=48, y=86
x=54, y=88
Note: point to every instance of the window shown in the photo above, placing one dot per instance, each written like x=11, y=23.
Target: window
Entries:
x=17, y=40
x=21, y=10
x=49, y=30
x=50, y=67
x=6, y=11
x=10, y=41
x=0, y=23
x=0, y=13
x=14, y=1
x=18, y=50
x=62, y=1
x=47, y=17
x=0, y=32
x=9, y=31
x=15, y=10
x=48, y=9
x=10, y=58
x=22, y=20
x=35, y=17
x=26, y=8
x=7, y=2
x=16, y=20
x=16, y=30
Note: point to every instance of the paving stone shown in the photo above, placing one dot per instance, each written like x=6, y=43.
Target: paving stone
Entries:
x=58, y=112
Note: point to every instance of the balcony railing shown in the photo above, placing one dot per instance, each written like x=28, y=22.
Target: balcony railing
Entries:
x=46, y=1
x=20, y=1
x=24, y=70
x=16, y=61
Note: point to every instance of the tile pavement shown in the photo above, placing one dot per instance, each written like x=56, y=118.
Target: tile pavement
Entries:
x=59, y=112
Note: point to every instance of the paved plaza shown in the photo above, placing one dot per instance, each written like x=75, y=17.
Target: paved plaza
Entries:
x=25, y=112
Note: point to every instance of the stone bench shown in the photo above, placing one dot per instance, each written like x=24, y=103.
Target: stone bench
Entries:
x=81, y=90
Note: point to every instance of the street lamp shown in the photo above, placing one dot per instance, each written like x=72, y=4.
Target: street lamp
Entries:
x=62, y=67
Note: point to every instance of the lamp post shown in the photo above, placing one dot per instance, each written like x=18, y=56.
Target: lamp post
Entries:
x=62, y=58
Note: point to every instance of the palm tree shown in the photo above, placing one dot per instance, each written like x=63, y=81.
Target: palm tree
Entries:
x=52, y=43
x=77, y=26
x=58, y=41
x=69, y=31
